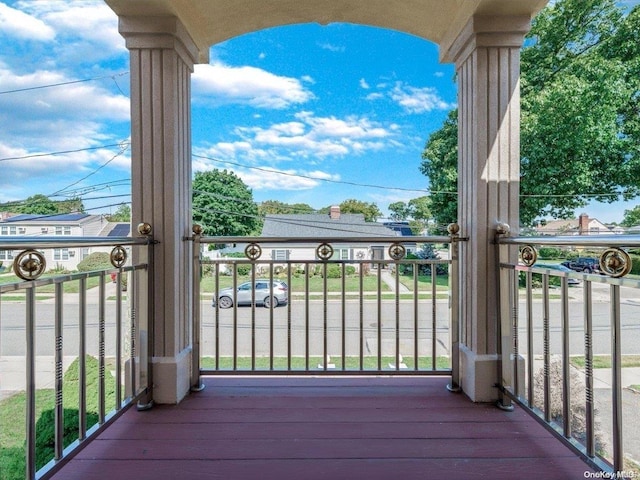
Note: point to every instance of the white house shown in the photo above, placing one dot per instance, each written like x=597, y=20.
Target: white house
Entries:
x=63, y=225
x=334, y=225
x=583, y=225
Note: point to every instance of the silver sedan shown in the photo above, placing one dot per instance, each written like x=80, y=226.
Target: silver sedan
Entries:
x=263, y=294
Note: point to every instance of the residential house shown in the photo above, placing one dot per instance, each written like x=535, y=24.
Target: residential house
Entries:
x=335, y=225
x=63, y=225
x=583, y=225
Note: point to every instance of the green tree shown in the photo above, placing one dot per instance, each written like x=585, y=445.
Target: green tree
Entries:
x=631, y=217
x=223, y=205
x=73, y=205
x=399, y=211
x=40, y=204
x=37, y=205
x=370, y=211
x=277, y=207
x=440, y=165
x=580, y=123
x=122, y=214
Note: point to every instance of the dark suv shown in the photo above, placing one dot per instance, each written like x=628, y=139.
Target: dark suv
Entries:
x=583, y=264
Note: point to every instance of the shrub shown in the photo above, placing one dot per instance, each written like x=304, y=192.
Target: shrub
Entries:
x=334, y=271
x=577, y=403
x=550, y=253
x=95, y=261
x=635, y=264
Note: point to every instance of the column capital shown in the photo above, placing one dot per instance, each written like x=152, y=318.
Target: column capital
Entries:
x=163, y=32
x=487, y=31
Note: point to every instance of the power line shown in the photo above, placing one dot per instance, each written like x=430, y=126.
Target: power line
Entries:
x=123, y=148
x=63, y=152
x=309, y=177
x=70, y=82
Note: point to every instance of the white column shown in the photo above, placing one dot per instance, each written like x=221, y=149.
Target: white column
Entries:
x=162, y=56
x=487, y=58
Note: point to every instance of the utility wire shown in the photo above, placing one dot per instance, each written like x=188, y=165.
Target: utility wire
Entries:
x=123, y=148
x=70, y=82
x=51, y=154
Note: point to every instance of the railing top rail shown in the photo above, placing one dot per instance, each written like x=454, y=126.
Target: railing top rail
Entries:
x=380, y=239
x=575, y=240
x=15, y=242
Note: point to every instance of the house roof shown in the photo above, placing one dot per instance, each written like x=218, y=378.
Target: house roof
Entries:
x=65, y=217
x=402, y=228
x=558, y=227
x=315, y=225
x=116, y=229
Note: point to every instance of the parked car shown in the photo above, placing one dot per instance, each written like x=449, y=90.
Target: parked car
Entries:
x=561, y=268
x=583, y=264
x=263, y=295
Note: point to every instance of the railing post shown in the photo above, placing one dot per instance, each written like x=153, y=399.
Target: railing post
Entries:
x=504, y=332
x=616, y=384
x=145, y=317
x=454, y=312
x=196, y=383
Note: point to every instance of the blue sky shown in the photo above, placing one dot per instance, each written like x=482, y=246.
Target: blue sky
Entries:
x=306, y=113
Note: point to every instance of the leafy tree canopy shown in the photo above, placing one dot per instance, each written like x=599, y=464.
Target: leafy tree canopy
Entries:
x=417, y=210
x=370, y=211
x=40, y=204
x=580, y=131
x=631, y=217
x=223, y=205
x=277, y=207
x=122, y=214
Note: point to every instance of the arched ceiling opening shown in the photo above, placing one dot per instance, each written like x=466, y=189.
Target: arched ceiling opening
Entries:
x=213, y=21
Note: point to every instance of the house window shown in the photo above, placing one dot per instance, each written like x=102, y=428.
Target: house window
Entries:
x=280, y=255
x=85, y=253
x=341, y=254
x=7, y=230
x=63, y=230
x=61, y=254
x=6, y=255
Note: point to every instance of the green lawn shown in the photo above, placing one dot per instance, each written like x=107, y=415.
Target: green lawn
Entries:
x=604, y=361
x=13, y=411
x=316, y=283
x=298, y=363
x=69, y=287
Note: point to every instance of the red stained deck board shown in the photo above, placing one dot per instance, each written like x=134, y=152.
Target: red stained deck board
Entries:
x=307, y=428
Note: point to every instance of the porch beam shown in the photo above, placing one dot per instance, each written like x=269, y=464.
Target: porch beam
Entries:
x=487, y=59
x=162, y=56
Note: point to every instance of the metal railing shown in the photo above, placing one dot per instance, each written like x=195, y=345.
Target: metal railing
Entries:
x=555, y=325
x=392, y=315
x=87, y=319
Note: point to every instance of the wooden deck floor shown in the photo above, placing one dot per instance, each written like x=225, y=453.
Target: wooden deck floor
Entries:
x=325, y=428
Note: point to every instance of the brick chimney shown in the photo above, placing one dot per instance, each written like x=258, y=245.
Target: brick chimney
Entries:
x=583, y=224
x=334, y=212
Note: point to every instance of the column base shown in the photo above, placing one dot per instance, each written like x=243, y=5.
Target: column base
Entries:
x=478, y=374
x=172, y=377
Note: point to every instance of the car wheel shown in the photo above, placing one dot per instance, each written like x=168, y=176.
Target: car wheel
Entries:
x=587, y=270
x=225, y=302
x=267, y=302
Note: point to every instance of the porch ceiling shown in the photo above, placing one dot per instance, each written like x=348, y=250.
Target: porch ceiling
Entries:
x=213, y=21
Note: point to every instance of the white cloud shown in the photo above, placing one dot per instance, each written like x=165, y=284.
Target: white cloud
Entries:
x=85, y=31
x=332, y=48
x=248, y=85
x=272, y=179
x=364, y=84
x=411, y=99
x=94, y=23
x=22, y=25
x=418, y=99
x=84, y=100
